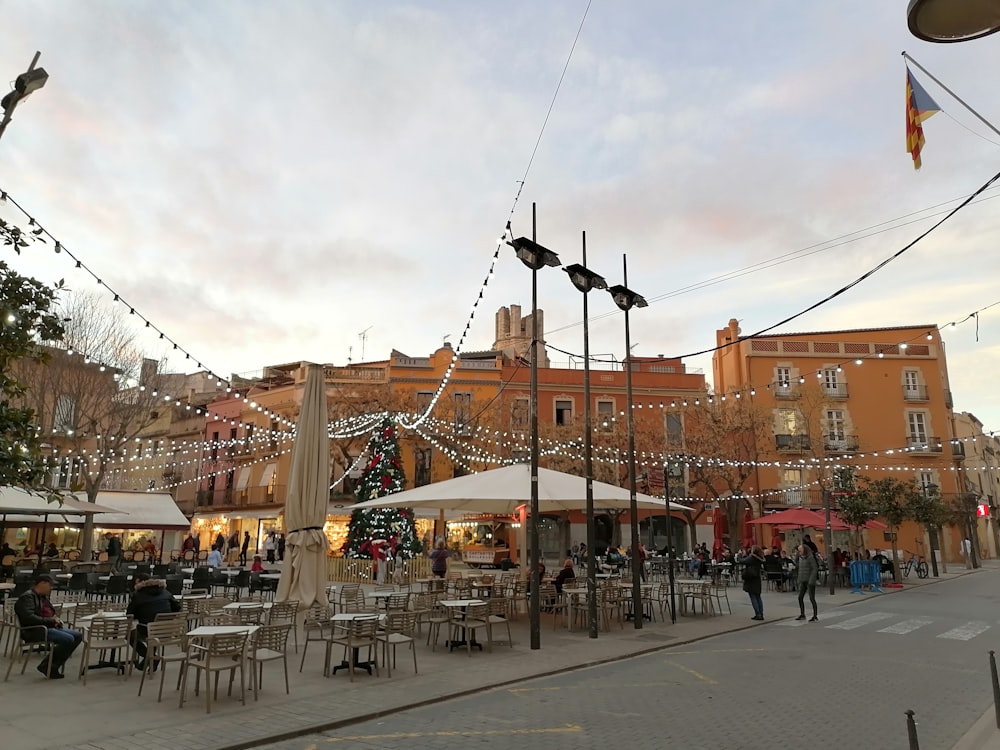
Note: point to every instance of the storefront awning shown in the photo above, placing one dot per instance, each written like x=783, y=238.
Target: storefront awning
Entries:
x=138, y=510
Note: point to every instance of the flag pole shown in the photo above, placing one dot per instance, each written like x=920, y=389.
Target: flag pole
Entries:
x=951, y=93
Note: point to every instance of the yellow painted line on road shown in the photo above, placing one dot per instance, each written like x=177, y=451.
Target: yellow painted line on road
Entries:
x=694, y=673
x=567, y=729
x=721, y=651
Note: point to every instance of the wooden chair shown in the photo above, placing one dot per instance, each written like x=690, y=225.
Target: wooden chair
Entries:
x=398, y=628
x=162, y=635
x=397, y=602
x=268, y=644
x=213, y=655
x=108, y=634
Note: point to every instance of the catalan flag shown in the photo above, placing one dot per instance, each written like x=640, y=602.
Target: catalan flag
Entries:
x=919, y=106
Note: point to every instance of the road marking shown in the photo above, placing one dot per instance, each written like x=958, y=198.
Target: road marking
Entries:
x=966, y=632
x=692, y=672
x=567, y=729
x=822, y=616
x=907, y=626
x=859, y=622
x=719, y=651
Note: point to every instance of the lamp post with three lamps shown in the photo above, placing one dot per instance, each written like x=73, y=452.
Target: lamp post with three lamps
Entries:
x=584, y=280
x=626, y=299
x=534, y=256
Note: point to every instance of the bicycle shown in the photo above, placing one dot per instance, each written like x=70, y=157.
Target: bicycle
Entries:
x=916, y=561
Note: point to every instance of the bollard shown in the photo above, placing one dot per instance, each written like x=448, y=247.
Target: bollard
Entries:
x=911, y=731
x=996, y=687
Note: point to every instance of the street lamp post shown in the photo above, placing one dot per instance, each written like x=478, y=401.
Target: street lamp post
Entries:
x=584, y=280
x=534, y=256
x=29, y=81
x=952, y=20
x=626, y=299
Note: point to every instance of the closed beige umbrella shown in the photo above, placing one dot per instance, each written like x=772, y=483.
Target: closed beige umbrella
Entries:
x=303, y=577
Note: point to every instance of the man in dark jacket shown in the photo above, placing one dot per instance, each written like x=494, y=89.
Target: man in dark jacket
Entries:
x=35, y=612
x=149, y=599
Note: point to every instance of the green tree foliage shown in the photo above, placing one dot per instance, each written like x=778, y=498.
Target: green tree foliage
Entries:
x=27, y=318
x=382, y=476
x=891, y=497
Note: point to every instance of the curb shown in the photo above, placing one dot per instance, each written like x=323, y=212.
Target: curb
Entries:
x=983, y=733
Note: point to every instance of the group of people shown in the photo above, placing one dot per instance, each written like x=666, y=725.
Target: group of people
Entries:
x=39, y=622
x=806, y=572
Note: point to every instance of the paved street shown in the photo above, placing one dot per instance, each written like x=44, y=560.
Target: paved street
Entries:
x=843, y=682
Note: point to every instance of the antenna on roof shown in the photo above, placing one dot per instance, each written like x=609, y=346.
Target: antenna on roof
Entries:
x=364, y=337
x=349, y=350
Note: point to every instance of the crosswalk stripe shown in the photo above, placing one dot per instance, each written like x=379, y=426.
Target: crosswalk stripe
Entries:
x=907, y=626
x=966, y=632
x=822, y=616
x=858, y=622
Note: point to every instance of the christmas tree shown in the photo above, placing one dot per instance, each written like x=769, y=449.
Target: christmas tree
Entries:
x=382, y=476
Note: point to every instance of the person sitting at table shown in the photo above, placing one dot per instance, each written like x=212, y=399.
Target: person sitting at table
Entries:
x=774, y=569
x=33, y=609
x=564, y=575
x=52, y=550
x=214, y=558
x=150, y=598
x=258, y=565
x=7, y=551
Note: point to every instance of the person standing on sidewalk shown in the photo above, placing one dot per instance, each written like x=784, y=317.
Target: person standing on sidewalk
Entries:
x=114, y=552
x=808, y=569
x=753, y=574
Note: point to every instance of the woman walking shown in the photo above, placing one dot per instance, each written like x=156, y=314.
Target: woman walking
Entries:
x=439, y=559
x=808, y=569
x=753, y=567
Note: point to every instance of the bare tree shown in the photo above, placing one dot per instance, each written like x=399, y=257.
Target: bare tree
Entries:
x=721, y=436
x=96, y=394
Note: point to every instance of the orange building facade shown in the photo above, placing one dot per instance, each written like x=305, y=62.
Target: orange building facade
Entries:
x=877, y=400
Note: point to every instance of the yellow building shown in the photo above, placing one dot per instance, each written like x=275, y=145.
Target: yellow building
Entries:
x=875, y=399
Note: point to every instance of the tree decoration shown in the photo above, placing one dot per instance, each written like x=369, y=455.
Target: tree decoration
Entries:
x=379, y=532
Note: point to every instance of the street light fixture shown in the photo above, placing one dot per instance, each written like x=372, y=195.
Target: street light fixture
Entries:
x=534, y=256
x=949, y=21
x=626, y=299
x=585, y=280
x=25, y=84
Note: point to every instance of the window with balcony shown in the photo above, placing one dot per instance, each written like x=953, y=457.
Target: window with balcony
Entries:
x=789, y=432
x=832, y=384
x=783, y=382
x=918, y=440
x=791, y=480
x=564, y=412
x=913, y=389
x=836, y=437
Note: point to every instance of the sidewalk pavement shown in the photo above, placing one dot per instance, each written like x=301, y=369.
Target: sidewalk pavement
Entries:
x=107, y=715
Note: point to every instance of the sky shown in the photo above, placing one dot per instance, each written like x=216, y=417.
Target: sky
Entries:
x=266, y=181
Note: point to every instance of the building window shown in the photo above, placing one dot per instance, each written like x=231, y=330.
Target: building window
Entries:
x=66, y=473
x=64, y=419
x=519, y=414
x=911, y=380
x=792, y=479
x=273, y=442
x=564, y=412
x=917, y=422
x=463, y=412
x=836, y=431
x=248, y=439
x=424, y=400
x=675, y=429
x=138, y=449
x=789, y=422
x=783, y=377
x=605, y=414
x=422, y=472
x=925, y=480
x=230, y=479
x=215, y=446
x=156, y=447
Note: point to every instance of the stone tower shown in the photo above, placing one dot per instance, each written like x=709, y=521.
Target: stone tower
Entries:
x=513, y=334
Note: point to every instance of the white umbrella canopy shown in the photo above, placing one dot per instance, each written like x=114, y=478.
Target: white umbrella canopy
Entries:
x=303, y=578
x=503, y=490
x=14, y=500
